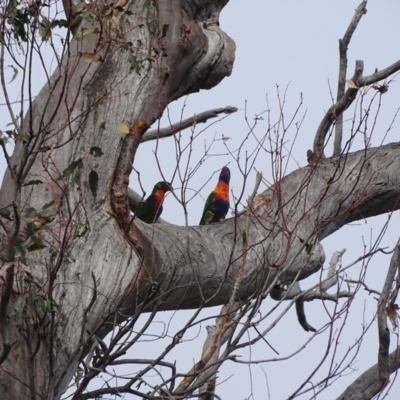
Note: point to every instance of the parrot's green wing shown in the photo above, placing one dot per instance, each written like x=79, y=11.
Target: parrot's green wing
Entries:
x=146, y=211
x=208, y=213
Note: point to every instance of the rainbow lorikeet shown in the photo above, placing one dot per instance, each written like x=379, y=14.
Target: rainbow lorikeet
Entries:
x=151, y=209
x=217, y=204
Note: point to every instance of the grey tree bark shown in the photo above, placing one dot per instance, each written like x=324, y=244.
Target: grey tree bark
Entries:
x=99, y=267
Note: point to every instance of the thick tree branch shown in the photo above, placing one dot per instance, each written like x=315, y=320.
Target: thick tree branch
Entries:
x=379, y=75
x=343, y=45
x=369, y=384
x=355, y=191
x=186, y=123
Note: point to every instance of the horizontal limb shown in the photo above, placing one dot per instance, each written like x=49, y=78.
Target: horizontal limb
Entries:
x=187, y=123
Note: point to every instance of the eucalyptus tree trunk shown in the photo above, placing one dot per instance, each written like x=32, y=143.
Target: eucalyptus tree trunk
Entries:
x=93, y=265
x=123, y=70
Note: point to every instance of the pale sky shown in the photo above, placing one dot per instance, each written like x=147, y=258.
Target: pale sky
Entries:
x=292, y=45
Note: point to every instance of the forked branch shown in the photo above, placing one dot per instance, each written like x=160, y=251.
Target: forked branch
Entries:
x=343, y=45
x=355, y=83
x=294, y=292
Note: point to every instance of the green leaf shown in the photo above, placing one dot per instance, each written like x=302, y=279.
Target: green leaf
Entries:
x=91, y=57
x=33, y=182
x=70, y=169
x=81, y=35
x=4, y=255
x=35, y=246
x=15, y=72
x=30, y=212
x=38, y=240
x=134, y=63
x=4, y=140
x=96, y=151
x=19, y=306
x=90, y=17
x=30, y=276
x=41, y=303
x=60, y=23
x=31, y=228
x=78, y=375
x=127, y=46
x=44, y=29
x=112, y=215
x=19, y=19
x=94, y=183
x=20, y=249
x=6, y=213
x=122, y=128
x=47, y=205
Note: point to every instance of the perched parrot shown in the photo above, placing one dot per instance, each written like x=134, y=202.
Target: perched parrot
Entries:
x=151, y=209
x=217, y=204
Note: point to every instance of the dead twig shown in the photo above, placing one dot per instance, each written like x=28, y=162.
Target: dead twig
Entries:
x=343, y=45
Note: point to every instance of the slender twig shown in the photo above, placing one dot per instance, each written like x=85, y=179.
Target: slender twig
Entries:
x=368, y=289
x=5, y=92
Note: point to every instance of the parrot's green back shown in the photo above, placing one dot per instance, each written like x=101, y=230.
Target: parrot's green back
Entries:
x=208, y=214
x=150, y=210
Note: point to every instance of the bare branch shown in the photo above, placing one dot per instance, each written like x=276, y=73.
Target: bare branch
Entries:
x=332, y=277
x=343, y=45
x=294, y=292
x=383, y=330
x=187, y=123
x=259, y=178
x=8, y=103
x=356, y=82
x=336, y=110
x=368, y=289
x=207, y=390
x=379, y=75
x=5, y=299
